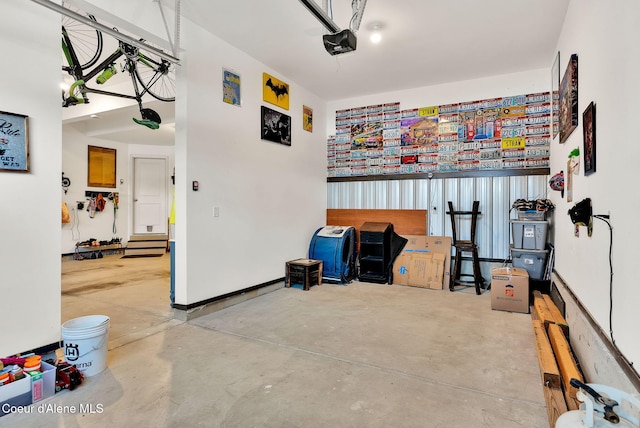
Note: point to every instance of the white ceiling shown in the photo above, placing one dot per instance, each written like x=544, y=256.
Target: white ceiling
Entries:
x=425, y=42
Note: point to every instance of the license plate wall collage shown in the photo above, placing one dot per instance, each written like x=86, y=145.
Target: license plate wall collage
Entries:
x=493, y=134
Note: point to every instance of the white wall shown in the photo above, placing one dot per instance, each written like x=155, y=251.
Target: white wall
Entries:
x=606, y=41
x=271, y=197
x=29, y=214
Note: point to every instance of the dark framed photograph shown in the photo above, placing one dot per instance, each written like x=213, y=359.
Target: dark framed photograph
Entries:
x=555, y=96
x=276, y=126
x=569, y=99
x=14, y=142
x=589, y=133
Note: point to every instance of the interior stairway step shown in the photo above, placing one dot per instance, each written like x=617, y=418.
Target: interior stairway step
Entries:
x=155, y=237
x=146, y=245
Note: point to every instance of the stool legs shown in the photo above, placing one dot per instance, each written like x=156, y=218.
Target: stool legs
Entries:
x=455, y=275
x=457, y=268
x=477, y=276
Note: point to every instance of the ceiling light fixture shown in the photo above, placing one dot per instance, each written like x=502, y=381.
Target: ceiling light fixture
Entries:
x=376, y=34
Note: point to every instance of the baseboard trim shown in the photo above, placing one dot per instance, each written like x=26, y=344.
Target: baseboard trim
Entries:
x=585, y=350
x=203, y=307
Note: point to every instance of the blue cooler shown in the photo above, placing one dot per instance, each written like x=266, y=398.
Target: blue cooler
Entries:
x=336, y=247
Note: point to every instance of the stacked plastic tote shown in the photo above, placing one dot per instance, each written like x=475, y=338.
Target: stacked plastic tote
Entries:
x=528, y=251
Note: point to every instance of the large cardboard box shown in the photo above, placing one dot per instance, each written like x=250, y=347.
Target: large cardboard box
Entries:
x=425, y=261
x=510, y=290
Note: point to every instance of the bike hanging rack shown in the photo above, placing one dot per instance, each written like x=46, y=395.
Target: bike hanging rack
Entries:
x=115, y=34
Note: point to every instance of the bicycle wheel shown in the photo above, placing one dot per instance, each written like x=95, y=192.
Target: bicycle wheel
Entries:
x=85, y=40
x=157, y=76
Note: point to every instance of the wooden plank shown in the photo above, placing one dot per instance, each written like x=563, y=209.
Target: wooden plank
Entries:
x=556, y=315
x=556, y=404
x=547, y=360
x=542, y=310
x=534, y=315
x=405, y=222
x=566, y=362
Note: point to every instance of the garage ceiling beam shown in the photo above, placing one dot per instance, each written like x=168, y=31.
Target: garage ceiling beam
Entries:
x=115, y=34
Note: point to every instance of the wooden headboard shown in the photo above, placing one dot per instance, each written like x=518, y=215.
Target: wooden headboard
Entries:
x=405, y=222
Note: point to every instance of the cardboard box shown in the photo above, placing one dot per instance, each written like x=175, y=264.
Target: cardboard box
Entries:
x=510, y=290
x=425, y=261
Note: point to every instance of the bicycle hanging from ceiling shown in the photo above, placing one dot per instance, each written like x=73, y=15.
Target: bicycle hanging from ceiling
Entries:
x=152, y=71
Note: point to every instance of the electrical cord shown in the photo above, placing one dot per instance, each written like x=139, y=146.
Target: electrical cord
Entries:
x=75, y=224
x=605, y=218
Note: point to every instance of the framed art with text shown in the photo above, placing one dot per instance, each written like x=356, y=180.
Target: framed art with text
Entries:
x=569, y=99
x=14, y=142
x=589, y=133
x=276, y=126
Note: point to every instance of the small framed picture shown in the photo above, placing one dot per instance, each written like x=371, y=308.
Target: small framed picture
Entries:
x=231, y=88
x=14, y=142
x=307, y=118
x=276, y=126
x=589, y=133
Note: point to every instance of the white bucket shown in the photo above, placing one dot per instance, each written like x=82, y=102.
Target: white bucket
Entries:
x=85, y=343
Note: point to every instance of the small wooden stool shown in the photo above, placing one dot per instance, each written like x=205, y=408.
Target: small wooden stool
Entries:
x=303, y=271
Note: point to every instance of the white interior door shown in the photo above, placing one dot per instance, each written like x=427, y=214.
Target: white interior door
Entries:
x=149, y=196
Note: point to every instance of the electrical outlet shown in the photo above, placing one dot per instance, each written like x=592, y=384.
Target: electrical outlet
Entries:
x=216, y=211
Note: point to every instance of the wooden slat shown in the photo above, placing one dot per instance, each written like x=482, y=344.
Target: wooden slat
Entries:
x=556, y=404
x=542, y=310
x=556, y=315
x=405, y=222
x=566, y=363
x=547, y=360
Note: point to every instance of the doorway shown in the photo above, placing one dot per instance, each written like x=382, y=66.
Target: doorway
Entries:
x=149, y=196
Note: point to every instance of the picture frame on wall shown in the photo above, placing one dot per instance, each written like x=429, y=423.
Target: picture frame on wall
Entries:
x=275, y=91
x=14, y=142
x=555, y=96
x=568, y=108
x=276, y=126
x=231, y=88
x=589, y=134
x=307, y=118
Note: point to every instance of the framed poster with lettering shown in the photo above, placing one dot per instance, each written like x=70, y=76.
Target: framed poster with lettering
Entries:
x=14, y=142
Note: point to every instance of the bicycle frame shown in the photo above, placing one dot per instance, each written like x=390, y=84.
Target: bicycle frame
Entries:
x=76, y=71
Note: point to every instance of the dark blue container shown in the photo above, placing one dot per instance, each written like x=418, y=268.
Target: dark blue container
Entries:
x=336, y=247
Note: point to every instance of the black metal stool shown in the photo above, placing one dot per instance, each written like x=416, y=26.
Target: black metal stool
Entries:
x=468, y=246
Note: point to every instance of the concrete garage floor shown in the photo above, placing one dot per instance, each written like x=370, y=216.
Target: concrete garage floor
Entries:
x=362, y=355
